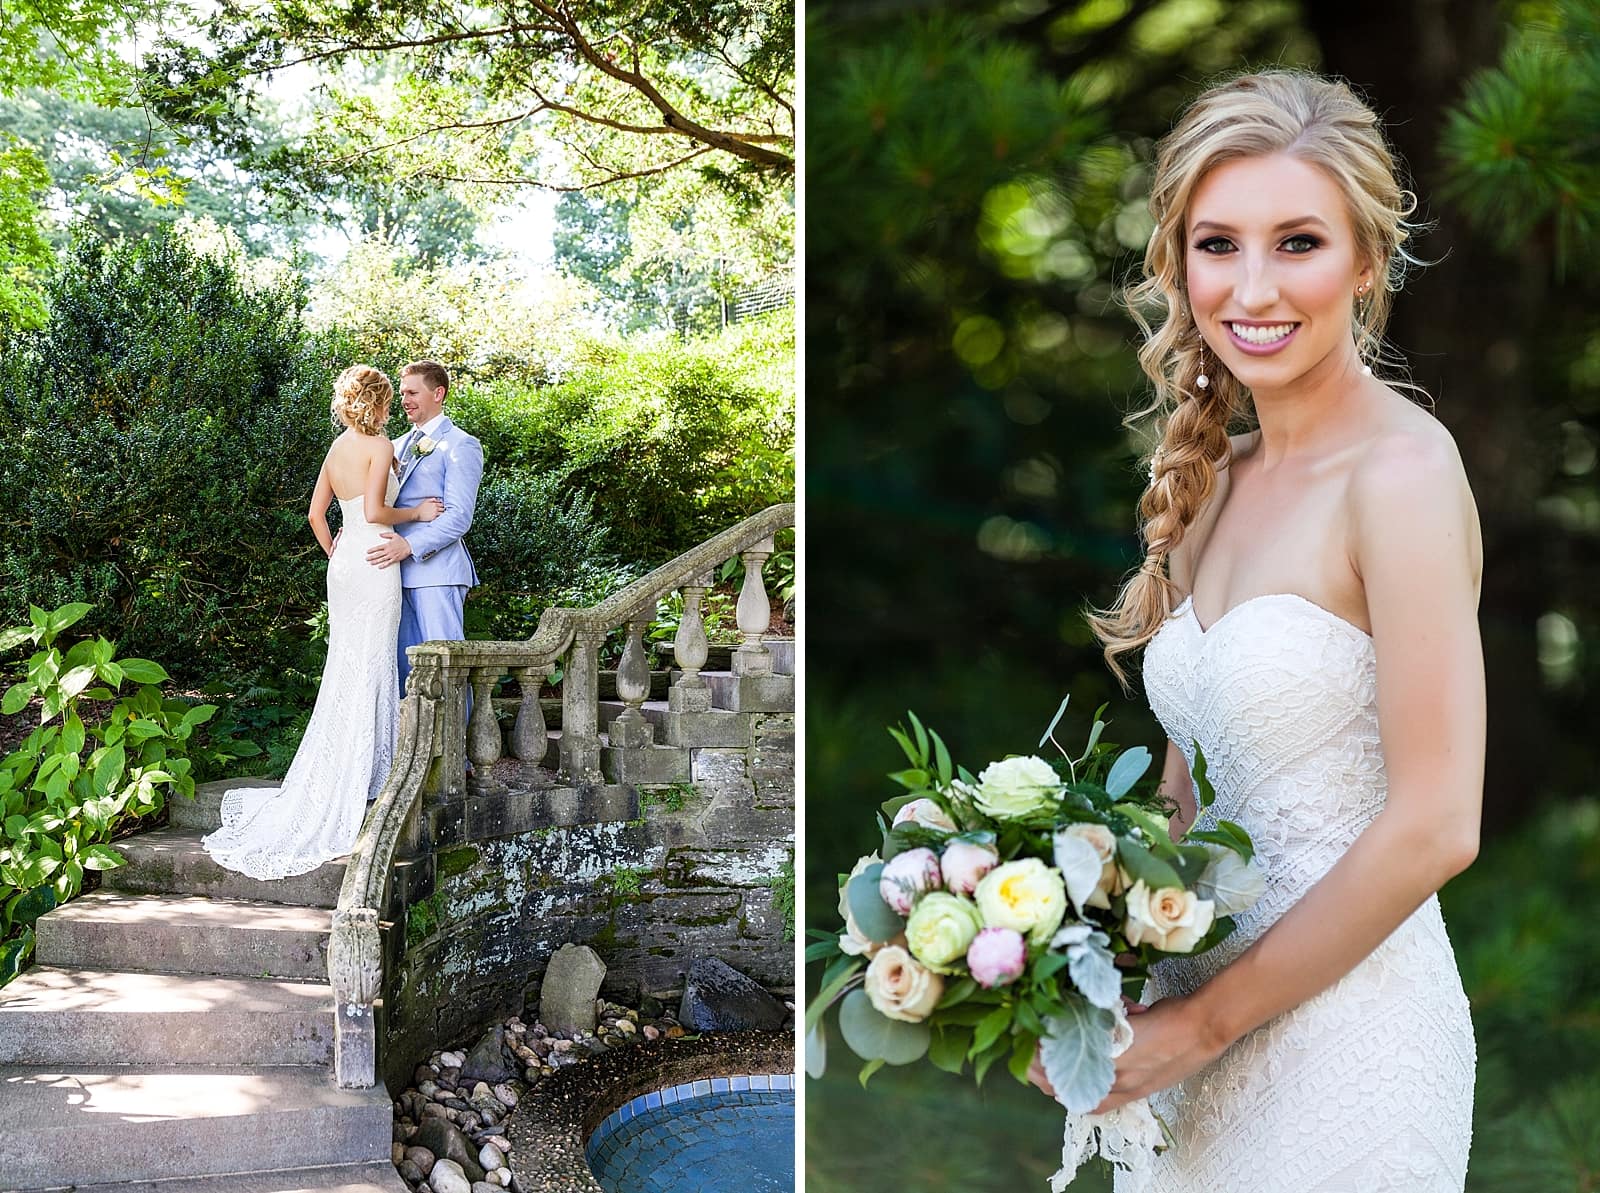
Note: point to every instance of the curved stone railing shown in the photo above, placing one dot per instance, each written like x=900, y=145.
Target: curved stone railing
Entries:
x=437, y=737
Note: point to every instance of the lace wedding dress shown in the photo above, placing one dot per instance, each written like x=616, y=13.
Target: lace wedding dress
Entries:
x=348, y=746
x=1368, y=1085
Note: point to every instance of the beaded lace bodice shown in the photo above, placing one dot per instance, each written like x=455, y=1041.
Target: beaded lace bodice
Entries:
x=1368, y=1085
x=348, y=745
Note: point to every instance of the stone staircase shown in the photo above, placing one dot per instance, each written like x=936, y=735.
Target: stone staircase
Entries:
x=177, y=1026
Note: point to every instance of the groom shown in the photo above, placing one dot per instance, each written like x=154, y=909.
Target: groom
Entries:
x=436, y=459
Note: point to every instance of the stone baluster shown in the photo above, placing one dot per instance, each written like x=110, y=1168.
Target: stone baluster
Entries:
x=631, y=730
x=580, y=708
x=754, y=614
x=691, y=693
x=453, y=730
x=483, y=729
x=530, y=739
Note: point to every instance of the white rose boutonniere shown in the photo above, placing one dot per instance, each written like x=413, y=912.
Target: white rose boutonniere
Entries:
x=423, y=447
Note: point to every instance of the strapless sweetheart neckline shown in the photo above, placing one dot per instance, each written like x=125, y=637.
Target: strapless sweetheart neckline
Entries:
x=1187, y=607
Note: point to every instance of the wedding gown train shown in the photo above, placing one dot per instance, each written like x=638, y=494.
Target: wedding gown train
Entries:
x=1368, y=1085
x=348, y=746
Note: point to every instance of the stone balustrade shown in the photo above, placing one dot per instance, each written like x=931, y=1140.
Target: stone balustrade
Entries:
x=437, y=738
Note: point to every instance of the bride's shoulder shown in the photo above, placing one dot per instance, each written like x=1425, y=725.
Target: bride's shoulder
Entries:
x=1408, y=482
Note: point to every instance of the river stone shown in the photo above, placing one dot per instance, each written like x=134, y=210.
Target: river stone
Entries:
x=717, y=997
x=484, y=1062
x=571, y=982
x=447, y=1177
x=445, y=1140
x=422, y=1158
x=410, y=1171
x=489, y=1156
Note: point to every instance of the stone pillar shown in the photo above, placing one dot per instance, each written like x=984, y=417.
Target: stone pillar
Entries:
x=453, y=731
x=691, y=693
x=631, y=730
x=355, y=971
x=580, y=708
x=530, y=739
x=755, y=614
x=483, y=730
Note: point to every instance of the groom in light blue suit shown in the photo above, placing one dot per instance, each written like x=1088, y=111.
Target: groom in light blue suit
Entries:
x=435, y=459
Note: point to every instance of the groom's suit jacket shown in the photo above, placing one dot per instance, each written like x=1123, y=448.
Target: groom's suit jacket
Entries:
x=450, y=472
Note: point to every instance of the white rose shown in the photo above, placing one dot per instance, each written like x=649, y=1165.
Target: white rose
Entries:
x=1172, y=919
x=901, y=988
x=1017, y=786
x=1025, y=895
x=423, y=446
x=1230, y=882
x=1090, y=883
x=926, y=813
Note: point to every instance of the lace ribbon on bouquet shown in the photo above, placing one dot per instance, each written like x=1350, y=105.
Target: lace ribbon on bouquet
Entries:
x=1129, y=1136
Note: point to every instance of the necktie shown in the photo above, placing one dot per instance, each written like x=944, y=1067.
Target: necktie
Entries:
x=410, y=443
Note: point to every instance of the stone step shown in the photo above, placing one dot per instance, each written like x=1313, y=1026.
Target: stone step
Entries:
x=342, y=1178
x=752, y=693
x=63, y=1128
x=186, y=934
x=172, y=859
x=56, y=1016
x=204, y=811
x=719, y=655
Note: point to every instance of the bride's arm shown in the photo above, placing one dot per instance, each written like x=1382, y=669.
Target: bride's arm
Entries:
x=1415, y=544
x=317, y=515
x=373, y=503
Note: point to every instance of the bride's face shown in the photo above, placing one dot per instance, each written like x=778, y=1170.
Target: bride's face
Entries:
x=1273, y=270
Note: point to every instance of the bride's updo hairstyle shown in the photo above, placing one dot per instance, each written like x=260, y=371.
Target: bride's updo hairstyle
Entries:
x=361, y=398
x=1319, y=121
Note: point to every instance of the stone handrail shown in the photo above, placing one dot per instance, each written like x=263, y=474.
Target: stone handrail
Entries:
x=436, y=738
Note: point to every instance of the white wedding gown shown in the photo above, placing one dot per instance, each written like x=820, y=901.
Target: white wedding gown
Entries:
x=1368, y=1085
x=348, y=746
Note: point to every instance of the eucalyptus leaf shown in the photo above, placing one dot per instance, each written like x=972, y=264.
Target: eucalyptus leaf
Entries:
x=816, y=1051
x=1056, y=720
x=1127, y=770
x=872, y=1035
x=1076, y=1055
x=875, y=918
x=1144, y=865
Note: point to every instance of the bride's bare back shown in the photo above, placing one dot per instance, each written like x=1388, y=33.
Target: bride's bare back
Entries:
x=359, y=465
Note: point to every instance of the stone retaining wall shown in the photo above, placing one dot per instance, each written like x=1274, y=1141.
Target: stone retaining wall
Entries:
x=505, y=880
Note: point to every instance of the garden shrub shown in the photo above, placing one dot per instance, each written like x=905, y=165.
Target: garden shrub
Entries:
x=100, y=757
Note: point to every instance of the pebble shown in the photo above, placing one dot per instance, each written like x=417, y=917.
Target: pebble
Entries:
x=532, y=1075
x=506, y=1096
x=428, y=1089
x=493, y=1178
x=434, y=1110
x=675, y=1032
x=422, y=1158
x=626, y=1027
x=453, y=1060
x=397, y=1152
x=651, y=1032
x=505, y=1176
x=485, y=1187
x=412, y=1174
x=448, y=1177
x=561, y=1045
x=501, y=1142
x=491, y=1158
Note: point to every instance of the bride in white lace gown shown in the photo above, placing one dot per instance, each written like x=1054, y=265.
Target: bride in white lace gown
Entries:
x=348, y=746
x=1308, y=612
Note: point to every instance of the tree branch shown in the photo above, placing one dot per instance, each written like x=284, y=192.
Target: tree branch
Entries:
x=551, y=186
x=411, y=44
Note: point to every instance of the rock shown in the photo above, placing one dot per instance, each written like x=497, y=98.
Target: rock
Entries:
x=494, y=1178
x=451, y=1060
x=490, y=1157
x=717, y=997
x=506, y=1096
x=561, y=1045
x=446, y=1142
x=447, y=1177
x=433, y=1112
x=397, y=1152
x=650, y=1007
x=541, y=1047
x=571, y=982
x=485, y=1063
x=422, y=1158
x=485, y=1186
x=411, y=1173
x=651, y=1032
x=594, y=1047
x=505, y=1176
x=399, y=1133
x=428, y=1089
x=532, y=1074
x=501, y=1142
x=675, y=1032
x=625, y=1027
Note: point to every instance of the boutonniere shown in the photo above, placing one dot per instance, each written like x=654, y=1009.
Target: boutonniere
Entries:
x=423, y=447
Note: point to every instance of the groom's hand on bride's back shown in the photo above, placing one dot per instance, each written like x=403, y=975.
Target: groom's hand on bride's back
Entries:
x=391, y=551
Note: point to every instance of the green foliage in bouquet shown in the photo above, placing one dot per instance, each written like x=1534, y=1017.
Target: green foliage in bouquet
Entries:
x=1016, y=907
x=97, y=760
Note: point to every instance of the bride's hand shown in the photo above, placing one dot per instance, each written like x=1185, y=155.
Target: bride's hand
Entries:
x=1036, y=1074
x=429, y=509
x=1169, y=1044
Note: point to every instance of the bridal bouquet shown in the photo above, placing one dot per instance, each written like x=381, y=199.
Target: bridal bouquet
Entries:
x=989, y=925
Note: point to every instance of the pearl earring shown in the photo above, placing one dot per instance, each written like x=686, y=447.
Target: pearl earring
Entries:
x=1202, y=381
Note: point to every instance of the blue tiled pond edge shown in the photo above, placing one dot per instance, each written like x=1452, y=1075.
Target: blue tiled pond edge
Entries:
x=553, y=1124
x=685, y=1092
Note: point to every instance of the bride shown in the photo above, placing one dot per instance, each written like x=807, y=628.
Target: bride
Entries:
x=345, y=754
x=1307, y=609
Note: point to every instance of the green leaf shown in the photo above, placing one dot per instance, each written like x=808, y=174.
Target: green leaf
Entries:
x=13, y=953
x=875, y=918
x=1094, y=740
x=831, y=986
x=108, y=771
x=1047, y=965
x=102, y=857
x=199, y=714
x=941, y=755
x=872, y=1035
x=73, y=734
x=142, y=729
x=912, y=779
x=1192, y=862
x=1127, y=770
x=144, y=671
x=922, y=737
x=110, y=672
x=821, y=949
x=1142, y=864
x=1022, y=1050
x=958, y=992
x=909, y=750
x=1205, y=793
x=816, y=1050
x=990, y=1028
x=1077, y=1055
x=1157, y=836
x=75, y=680
x=27, y=906
x=68, y=615
x=16, y=698
x=868, y=1069
x=981, y=1068
x=14, y=637
x=1056, y=720
x=948, y=1048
